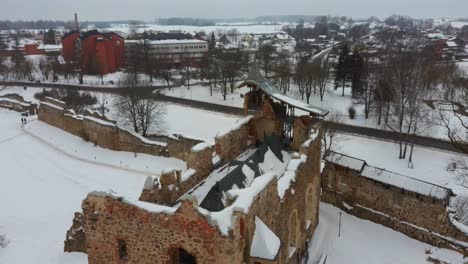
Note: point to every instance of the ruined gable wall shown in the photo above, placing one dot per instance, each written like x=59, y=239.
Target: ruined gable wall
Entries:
x=402, y=206
x=150, y=237
x=170, y=187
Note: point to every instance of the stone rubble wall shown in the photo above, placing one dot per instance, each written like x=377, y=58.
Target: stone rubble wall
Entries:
x=22, y=106
x=152, y=238
x=401, y=208
x=103, y=135
x=76, y=238
x=234, y=143
x=110, y=136
x=170, y=188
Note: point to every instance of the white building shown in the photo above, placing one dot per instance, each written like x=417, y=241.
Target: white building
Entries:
x=171, y=49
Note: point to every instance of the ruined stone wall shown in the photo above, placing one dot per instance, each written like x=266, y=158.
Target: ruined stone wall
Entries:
x=20, y=106
x=181, y=147
x=173, y=184
x=398, y=209
x=233, y=143
x=152, y=238
x=104, y=135
x=276, y=213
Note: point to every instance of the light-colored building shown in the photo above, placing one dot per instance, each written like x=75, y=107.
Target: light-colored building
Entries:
x=174, y=50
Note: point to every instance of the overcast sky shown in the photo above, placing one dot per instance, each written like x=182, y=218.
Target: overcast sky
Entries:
x=151, y=9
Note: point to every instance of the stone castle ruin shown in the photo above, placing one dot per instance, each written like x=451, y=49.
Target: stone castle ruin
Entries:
x=17, y=103
x=416, y=208
x=253, y=197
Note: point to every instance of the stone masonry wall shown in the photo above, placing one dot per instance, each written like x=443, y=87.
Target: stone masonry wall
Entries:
x=152, y=238
x=104, y=135
x=233, y=143
x=276, y=213
x=20, y=106
x=397, y=208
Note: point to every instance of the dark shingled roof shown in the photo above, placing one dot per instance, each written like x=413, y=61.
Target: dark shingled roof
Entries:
x=71, y=32
x=214, y=198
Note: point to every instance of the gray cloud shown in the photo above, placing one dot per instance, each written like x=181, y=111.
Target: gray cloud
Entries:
x=151, y=9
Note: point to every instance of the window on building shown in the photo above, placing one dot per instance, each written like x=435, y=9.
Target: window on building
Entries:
x=123, y=255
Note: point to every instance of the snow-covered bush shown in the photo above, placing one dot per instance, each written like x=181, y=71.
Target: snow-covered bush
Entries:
x=459, y=212
x=3, y=241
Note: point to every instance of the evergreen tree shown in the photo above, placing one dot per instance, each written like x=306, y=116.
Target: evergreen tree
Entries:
x=49, y=37
x=212, y=42
x=356, y=73
x=342, y=70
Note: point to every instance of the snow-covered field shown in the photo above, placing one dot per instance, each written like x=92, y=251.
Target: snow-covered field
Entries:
x=42, y=188
x=362, y=241
x=429, y=165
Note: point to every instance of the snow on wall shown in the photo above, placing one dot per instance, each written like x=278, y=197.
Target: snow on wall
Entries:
x=238, y=124
x=200, y=147
x=149, y=207
x=313, y=135
x=265, y=243
x=244, y=198
x=290, y=175
x=405, y=182
x=345, y=161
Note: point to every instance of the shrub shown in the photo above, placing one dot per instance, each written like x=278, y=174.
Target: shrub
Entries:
x=352, y=112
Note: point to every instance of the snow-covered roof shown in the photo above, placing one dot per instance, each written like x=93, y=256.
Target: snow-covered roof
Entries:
x=257, y=79
x=405, y=182
x=388, y=177
x=345, y=161
x=451, y=44
x=265, y=243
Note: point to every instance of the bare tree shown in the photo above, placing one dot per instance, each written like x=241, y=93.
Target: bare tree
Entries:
x=330, y=136
x=283, y=71
x=408, y=75
x=460, y=207
x=140, y=112
x=323, y=75
x=265, y=55
x=102, y=101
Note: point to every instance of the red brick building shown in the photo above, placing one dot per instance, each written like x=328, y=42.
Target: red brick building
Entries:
x=100, y=53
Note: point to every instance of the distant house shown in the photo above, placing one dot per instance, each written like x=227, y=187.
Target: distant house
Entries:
x=98, y=53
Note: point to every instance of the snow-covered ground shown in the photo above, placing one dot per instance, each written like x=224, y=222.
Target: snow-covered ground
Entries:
x=186, y=121
x=79, y=149
x=429, y=165
x=362, y=241
x=42, y=188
